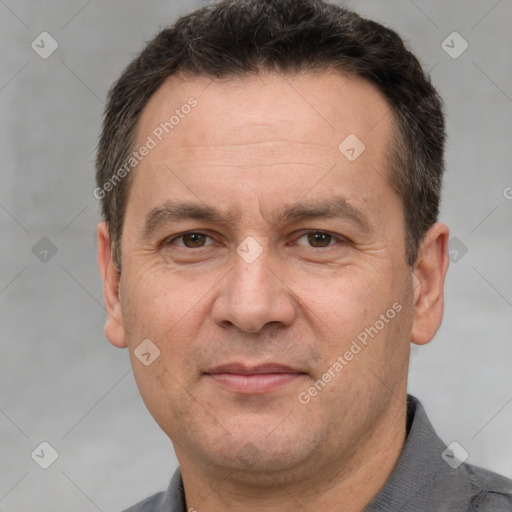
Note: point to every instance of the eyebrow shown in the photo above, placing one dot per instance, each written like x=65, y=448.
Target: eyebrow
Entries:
x=172, y=211
x=175, y=211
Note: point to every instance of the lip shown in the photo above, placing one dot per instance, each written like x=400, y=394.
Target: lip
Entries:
x=253, y=380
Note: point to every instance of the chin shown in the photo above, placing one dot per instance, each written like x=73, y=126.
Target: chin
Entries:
x=261, y=451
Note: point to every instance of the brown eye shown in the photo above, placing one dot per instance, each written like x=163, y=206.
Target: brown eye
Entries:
x=192, y=240
x=319, y=239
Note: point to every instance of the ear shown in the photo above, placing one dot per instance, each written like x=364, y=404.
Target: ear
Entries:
x=114, y=327
x=428, y=281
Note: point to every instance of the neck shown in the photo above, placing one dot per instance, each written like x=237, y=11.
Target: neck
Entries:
x=348, y=481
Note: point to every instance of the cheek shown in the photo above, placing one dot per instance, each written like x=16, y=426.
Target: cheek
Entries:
x=157, y=302
x=161, y=391
x=155, y=310
x=348, y=307
x=344, y=301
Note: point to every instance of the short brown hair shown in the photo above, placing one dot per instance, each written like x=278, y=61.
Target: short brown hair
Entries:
x=239, y=37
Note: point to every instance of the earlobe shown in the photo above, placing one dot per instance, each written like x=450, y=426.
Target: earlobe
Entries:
x=114, y=327
x=428, y=284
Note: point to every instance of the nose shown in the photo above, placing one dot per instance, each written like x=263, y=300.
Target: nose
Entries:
x=253, y=295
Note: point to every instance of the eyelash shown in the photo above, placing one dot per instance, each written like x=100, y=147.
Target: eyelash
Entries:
x=334, y=237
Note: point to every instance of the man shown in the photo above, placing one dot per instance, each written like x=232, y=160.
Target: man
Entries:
x=270, y=174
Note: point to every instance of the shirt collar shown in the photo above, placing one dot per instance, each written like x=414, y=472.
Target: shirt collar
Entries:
x=421, y=478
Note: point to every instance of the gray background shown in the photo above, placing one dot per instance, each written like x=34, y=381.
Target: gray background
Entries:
x=63, y=383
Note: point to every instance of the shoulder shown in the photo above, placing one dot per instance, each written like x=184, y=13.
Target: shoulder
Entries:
x=490, y=491
x=152, y=504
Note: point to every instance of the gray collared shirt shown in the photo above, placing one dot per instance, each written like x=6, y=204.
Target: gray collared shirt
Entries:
x=422, y=481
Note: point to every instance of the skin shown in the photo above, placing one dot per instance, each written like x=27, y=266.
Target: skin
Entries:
x=250, y=147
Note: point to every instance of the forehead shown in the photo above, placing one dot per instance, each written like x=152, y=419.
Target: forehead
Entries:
x=264, y=135
x=319, y=108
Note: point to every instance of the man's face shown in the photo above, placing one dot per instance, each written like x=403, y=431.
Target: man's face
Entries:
x=258, y=302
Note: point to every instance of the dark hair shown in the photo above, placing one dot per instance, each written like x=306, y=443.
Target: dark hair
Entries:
x=239, y=37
